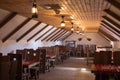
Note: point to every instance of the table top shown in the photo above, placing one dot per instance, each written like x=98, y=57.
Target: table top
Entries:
x=50, y=56
x=105, y=68
x=30, y=63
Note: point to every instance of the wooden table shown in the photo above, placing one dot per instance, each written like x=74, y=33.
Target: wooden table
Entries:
x=50, y=56
x=103, y=72
x=30, y=63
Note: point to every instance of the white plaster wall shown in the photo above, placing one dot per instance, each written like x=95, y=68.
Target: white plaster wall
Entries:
x=95, y=39
x=11, y=45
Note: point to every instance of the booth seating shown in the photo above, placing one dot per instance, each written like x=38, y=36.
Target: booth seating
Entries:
x=4, y=67
x=102, y=58
x=106, y=67
x=116, y=61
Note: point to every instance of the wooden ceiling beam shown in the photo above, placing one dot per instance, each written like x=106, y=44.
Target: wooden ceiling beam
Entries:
x=57, y=35
x=52, y=39
x=100, y=33
x=16, y=29
x=67, y=36
x=7, y=19
x=112, y=38
x=49, y=34
x=110, y=29
x=111, y=13
x=114, y=3
x=27, y=32
x=44, y=34
x=111, y=21
x=110, y=26
x=60, y=36
x=37, y=33
x=53, y=35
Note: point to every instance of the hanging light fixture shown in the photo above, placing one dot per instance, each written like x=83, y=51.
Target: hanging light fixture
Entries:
x=77, y=31
x=72, y=29
x=62, y=22
x=34, y=10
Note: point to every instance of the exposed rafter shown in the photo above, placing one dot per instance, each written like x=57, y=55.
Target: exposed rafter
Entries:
x=37, y=32
x=100, y=33
x=44, y=33
x=115, y=3
x=112, y=27
x=112, y=38
x=112, y=22
x=27, y=32
x=57, y=35
x=16, y=29
x=66, y=36
x=49, y=34
x=53, y=35
x=7, y=19
x=60, y=35
x=111, y=13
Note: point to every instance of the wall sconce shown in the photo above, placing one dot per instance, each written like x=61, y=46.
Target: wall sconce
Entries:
x=62, y=22
x=34, y=10
x=79, y=39
x=89, y=39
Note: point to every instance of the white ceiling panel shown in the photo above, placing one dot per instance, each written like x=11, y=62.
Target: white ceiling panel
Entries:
x=38, y=28
x=11, y=25
x=24, y=29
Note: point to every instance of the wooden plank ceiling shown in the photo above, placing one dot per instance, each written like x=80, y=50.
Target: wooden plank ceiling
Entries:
x=89, y=15
x=84, y=13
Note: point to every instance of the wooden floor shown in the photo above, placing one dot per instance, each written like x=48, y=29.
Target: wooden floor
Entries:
x=70, y=69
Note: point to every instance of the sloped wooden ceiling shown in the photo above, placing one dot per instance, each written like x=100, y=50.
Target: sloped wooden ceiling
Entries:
x=89, y=15
x=84, y=13
x=111, y=21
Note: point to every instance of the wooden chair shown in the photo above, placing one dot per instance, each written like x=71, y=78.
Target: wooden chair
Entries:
x=16, y=66
x=4, y=67
x=106, y=57
x=116, y=58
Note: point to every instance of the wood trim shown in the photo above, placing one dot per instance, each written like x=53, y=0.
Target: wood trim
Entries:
x=7, y=19
x=114, y=3
x=49, y=34
x=53, y=35
x=66, y=36
x=16, y=29
x=57, y=35
x=111, y=13
x=27, y=32
x=44, y=33
x=60, y=35
x=37, y=32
